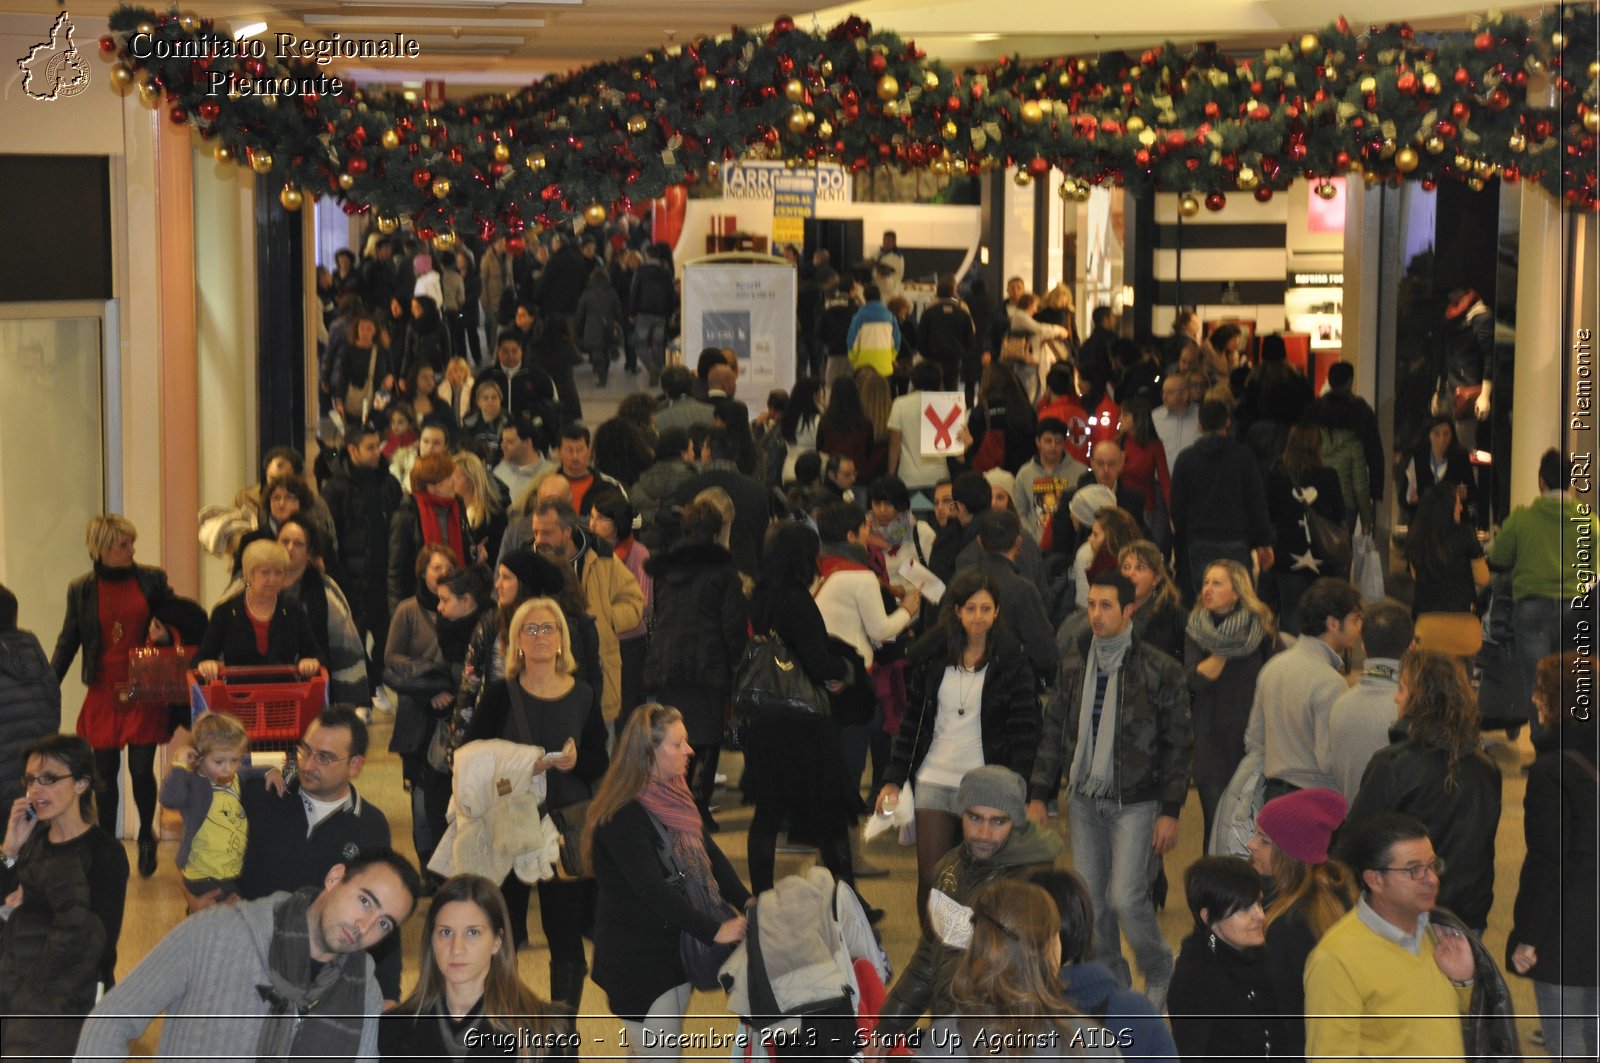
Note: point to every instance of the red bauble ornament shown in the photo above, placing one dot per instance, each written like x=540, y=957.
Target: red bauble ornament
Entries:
x=1263, y=193
x=178, y=116
x=1459, y=111
x=1510, y=174
x=1193, y=165
x=1140, y=157
x=977, y=90
x=108, y=44
x=1216, y=201
x=456, y=155
x=209, y=110
x=1038, y=166
x=953, y=104
x=1261, y=112
x=356, y=166
x=516, y=245
x=785, y=65
x=422, y=178
x=1176, y=139
x=255, y=68
x=782, y=24
x=1406, y=83
x=1483, y=41
x=1213, y=112
x=496, y=169
x=1463, y=76
x=1342, y=160
x=1297, y=151
x=1429, y=184
x=877, y=62
x=1446, y=129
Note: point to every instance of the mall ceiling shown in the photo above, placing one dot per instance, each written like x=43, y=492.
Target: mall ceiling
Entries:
x=476, y=45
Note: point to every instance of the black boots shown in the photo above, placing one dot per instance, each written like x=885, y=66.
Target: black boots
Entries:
x=147, y=857
x=566, y=983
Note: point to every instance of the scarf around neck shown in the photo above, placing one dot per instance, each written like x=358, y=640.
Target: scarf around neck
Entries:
x=106, y=572
x=1236, y=635
x=309, y=1017
x=430, y=508
x=1094, y=764
x=671, y=804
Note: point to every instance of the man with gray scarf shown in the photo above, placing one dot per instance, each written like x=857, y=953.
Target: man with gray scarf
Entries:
x=1117, y=726
x=285, y=976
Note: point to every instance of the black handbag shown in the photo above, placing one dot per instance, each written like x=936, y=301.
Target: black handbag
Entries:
x=702, y=961
x=1329, y=542
x=770, y=682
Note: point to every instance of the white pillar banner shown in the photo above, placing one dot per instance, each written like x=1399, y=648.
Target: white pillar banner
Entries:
x=749, y=308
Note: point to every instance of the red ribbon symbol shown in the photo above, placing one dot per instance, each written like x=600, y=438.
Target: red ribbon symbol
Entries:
x=941, y=429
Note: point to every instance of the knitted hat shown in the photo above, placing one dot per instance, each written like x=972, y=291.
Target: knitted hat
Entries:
x=993, y=786
x=539, y=576
x=1301, y=823
x=1001, y=479
x=1088, y=501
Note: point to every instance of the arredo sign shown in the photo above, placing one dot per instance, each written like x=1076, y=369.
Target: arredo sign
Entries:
x=758, y=180
x=1316, y=280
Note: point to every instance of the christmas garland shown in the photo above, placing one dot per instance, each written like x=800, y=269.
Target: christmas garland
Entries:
x=1510, y=100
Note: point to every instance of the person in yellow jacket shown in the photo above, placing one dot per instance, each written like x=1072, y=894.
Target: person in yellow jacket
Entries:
x=1386, y=982
x=874, y=338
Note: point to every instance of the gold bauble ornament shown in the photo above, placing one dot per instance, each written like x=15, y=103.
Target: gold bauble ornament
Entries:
x=708, y=84
x=797, y=121
x=1594, y=69
x=149, y=95
x=1430, y=82
x=444, y=241
x=637, y=123
x=1558, y=40
x=1023, y=178
x=387, y=225
x=930, y=80
x=1369, y=84
x=1135, y=123
x=594, y=215
x=1462, y=163
x=121, y=79
x=1387, y=149
x=1310, y=44
x=1591, y=120
x=949, y=131
x=347, y=181
x=535, y=160
x=1355, y=168
x=1434, y=144
x=145, y=28
x=1327, y=190
x=390, y=139
x=888, y=87
x=1247, y=178
x=794, y=90
x=1484, y=168
x=222, y=154
x=1031, y=113
x=441, y=187
x=291, y=197
x=1406, y=160
x=824, y=129
x=1517, y=143
x=1188, y=206
x=1475, y=184
x=261, y=161
x=825, y=68
x=189, y=21
x=501, y=152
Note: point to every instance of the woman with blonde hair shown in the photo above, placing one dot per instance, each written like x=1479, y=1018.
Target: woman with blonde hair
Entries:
x=1007, y=986
x=641, y=822
x=541, y=703
x=480, y=500
x=455, y=391
x=1230, y=635
x=876, y=402
x=468, y=992
x=109, y=613
x=260, y=625
x=1436, y=772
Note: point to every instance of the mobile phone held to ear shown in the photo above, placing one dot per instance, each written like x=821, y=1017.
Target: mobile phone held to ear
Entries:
x=30, y=814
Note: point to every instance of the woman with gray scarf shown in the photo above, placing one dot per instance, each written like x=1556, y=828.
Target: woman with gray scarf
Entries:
x=1230, y=635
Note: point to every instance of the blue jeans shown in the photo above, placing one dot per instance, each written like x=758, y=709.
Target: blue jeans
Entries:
x=1567, y=1016
x=1537, y=622
x=1111, y=850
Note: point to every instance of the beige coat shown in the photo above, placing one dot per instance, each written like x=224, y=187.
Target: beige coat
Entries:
x=617, y=604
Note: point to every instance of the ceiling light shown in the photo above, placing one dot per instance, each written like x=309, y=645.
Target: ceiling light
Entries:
x=984, y=38
x=254, y=29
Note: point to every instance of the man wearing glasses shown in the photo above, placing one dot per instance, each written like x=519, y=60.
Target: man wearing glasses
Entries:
x=1392, y=978
x=317, y=822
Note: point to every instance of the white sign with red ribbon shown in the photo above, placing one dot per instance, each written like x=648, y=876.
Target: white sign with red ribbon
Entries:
x=944, y=415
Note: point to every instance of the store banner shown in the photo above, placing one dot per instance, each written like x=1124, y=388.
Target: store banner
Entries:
x=757, y=179
x=944, y=415
x=748, y=308
x=794, y=199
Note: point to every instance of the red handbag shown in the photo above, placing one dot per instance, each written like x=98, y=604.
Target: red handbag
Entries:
x=157, y=675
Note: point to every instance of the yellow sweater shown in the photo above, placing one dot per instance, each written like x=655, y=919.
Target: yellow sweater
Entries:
x=1370, y=998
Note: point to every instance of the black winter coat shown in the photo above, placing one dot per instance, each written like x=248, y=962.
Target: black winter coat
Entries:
x=81, y=626
x=1223, y=1002
x=1008, y=711
x=31, y=695
x=1462, y=821
x=1555, y=910
x=752, y=512
x=701, y=619
x=362, y=502
x=231, y=637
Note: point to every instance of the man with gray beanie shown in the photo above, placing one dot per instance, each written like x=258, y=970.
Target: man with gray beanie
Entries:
x=998, y=841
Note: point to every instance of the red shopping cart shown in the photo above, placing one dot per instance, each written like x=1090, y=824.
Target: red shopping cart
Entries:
x=272, y=701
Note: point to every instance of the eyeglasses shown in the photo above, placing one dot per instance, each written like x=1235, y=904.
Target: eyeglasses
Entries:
x=321, y=756
x=43, y=779
x=1418, y=872
x=534, y=631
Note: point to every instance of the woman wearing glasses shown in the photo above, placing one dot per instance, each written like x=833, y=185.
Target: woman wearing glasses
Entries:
x=65, y=880
x=540, y=703
x=259, y=625
x=1435, y=772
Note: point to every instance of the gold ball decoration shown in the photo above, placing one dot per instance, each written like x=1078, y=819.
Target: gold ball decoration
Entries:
x=1387, y=149
x=121, y=79
x=387, y=225
x=441, y=187
x=1594, y=69
x=261, y=161
x=390, y=139
x=1462, y=163
x=1369, y=84
x=1430, y=82
x=1310, y=44
x=930, y=80
x=1327, y=190
x=223, y=154
x=1135, y=123
x=708, y=84
x=291, y=197
x=1188, y=206
x=1475, y=183
x=1558, y=40
x=1591, y=120
x=501, y=152
x=1434, y=144
x=594, y=215
x=347, y=181
x=1517, y=143
x=1023, y=178
x=145, y=28
x=797, y=121
x=149, y=95
x=637, y=123
x=1247, y=178
x=189, y=21
x=888, y=87
x=1032, y=113
x=1406, y=160
x=950, y=130
x=825, y=68
x=535, y=160
x=1484, y=168
x=825, y=129
x=794, y=90
x=444, y=241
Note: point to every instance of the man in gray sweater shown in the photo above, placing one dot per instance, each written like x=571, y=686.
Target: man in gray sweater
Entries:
x=1296, y=690
x=285, y=975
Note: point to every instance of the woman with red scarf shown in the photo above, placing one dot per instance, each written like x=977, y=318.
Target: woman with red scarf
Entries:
x=432, y=514
x=108, y=614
